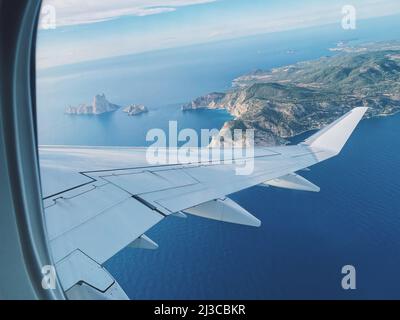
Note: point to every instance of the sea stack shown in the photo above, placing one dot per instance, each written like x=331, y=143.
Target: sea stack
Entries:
x=99, y=106
x=135, y=109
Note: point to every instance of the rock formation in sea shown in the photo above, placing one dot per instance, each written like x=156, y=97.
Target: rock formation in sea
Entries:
x=135, y=109
x=99, y=106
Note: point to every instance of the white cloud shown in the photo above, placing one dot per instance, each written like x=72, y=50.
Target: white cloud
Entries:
x=75, y=12
x=187, y=32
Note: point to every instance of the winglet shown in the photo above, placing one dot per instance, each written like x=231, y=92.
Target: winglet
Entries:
x=335, y=136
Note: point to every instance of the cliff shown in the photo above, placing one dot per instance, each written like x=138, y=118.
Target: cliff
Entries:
x=209, y=101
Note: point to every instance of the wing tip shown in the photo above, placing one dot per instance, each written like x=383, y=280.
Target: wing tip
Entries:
x=334, y=136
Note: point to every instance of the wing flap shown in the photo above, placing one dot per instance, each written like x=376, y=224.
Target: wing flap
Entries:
x=149, y=180
x=77, y=267
x=79, y=206
x=107, y=232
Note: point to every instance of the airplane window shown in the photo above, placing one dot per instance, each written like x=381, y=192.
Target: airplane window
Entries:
x=133, y=99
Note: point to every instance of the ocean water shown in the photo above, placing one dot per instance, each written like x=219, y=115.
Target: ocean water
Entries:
x=305, y=238
x=172, y=77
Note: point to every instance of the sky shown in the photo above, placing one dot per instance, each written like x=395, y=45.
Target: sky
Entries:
x=88, y=30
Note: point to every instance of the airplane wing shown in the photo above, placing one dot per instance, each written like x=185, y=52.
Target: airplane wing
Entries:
x=100, y=200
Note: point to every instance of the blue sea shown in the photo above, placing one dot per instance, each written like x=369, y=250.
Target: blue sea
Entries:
x=305, y=239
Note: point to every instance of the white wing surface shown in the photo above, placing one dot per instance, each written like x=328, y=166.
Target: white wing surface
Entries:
x=100, y=200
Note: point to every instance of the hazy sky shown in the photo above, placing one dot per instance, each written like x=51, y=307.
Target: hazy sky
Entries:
x=95, y=29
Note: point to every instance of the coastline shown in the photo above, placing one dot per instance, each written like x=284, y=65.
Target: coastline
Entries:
x=283, y=102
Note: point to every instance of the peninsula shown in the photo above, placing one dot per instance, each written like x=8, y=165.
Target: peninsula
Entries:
x=286, y=101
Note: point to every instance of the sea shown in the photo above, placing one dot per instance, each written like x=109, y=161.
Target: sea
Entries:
x=305, y=238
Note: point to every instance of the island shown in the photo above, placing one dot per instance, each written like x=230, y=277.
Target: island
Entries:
x=135, y=109
x=100, y=105
x=286, y=101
